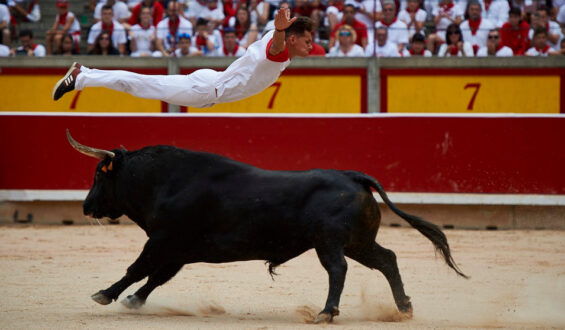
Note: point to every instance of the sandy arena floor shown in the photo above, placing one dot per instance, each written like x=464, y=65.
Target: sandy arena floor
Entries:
x=47, y=275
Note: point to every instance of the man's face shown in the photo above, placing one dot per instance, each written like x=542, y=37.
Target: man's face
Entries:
x=229, y=40
x=381, y=36
x=418, y=46
x=388, y=13
x=514, y=20
x=26, y=41
x=172, y=10
x=107, y=16
x=301, y=45
x=474, y=12
x=145, y=16
x=412, y=4
x=540, y=40
x=493, y=39
x=184, y=43
x=349, y=15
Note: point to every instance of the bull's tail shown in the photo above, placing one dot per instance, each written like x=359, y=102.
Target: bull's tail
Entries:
x=431, y=231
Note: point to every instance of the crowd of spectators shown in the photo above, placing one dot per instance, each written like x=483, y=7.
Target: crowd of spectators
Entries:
x=342, y=28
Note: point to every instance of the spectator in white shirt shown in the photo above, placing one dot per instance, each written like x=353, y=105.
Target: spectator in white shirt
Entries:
x=475, y=29
x=346, y=46
x=28, y=47
x=417, y=47
x=382, y=47
x=455, y=44
x=5, y=24
x=539, y=44
x=142, y=36
x=413, y=16
x=169, y=29
x=185, y=48
x=540, y=19
x=113, y=27
x=397, y=30
x=231, y=47
x=494, y=47
x=496, y=11
x=445, y=13
x=121, y=11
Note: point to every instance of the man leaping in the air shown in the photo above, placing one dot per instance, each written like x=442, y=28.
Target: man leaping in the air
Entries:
x=257, y=69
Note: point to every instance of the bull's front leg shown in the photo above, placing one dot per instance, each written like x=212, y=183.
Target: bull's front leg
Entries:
x=149, y=260
x=333, y=260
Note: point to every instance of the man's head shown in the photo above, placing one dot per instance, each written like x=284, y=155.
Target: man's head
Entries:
x=230, y=39
x=418, y=42
x=540, y=38
x=145, y=16
x=298, y=36
x=349, y=14
x=493, y=40
x=201, y=25
x=540, y=17
x=26, y=37
x=514, y=16
x=62, y=6
x=381, y=34
x=107, y=14
x=173, y=10
x=474, y=10
x=184, y=42
x=389, y=11
x=413, y=5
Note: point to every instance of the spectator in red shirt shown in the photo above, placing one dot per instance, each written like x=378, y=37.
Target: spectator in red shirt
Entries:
x=349, y=18
x=157, y=11
x=514, y=33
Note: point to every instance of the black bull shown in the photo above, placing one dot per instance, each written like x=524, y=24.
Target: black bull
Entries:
x=202, y=207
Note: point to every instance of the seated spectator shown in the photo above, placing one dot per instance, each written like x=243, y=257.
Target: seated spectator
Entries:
x=417, y=47
x=349, y=19
x=231, y=47
x=200, y=8
x=170, y=28
x=367, y=14
x=120, y=9
x=68, y=46
x=455, y=44
x=113, y=27
x=103, y=45
x=397, y=30
x=346, y=47
x=445, y=13
x=494, y=46
x=540, y=47
x=540, y=19
x=185, y=48
x=65, y=23
x=413, y=16
x=155, y=7
x=245, y=31
x=142, y=36
x=475, y=29
x=5, y=26
x=334, y=13
x=28, y=47
x=24, y=10
x=526, y=6
x=204, y=42
x=496, y=11
x=382, y=47
x=213, y=13
x=514, y=33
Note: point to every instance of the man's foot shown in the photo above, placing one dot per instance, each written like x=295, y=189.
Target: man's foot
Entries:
x=67, y=83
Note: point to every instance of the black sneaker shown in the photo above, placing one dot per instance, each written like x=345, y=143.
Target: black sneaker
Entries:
x=67, y=83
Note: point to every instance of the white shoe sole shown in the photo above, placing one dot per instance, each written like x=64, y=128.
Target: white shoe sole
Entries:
x=73, y=66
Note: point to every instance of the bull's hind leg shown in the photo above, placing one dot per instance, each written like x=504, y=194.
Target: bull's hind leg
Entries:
x=332, y=258
x=375, y=256
x=159, y=277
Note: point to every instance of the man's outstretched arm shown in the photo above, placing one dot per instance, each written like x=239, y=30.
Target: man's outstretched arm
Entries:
x=282, y=22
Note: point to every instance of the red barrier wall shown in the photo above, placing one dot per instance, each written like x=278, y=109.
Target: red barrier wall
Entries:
x=451, y=154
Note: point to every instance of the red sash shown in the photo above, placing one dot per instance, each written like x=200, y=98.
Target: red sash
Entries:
x=232, y=53
x=173, y=27
x=108, y=28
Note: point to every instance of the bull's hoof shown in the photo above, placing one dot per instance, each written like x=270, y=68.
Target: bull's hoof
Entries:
x=100, y=298
x=326, y=317
x=406, y=308
x=133, y=302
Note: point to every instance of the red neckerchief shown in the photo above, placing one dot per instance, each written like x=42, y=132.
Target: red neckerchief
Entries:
x=232, y=53
x=389, y=24
x=544, y=50
x=447, y=6
x=108, y=28
x=145, y=27
x=200, y=42
x=410, y=12
x=421, y=53
x=474, y=25
x=240, y=31
x=487, y=4
x=454, y=50
x=63, y=18
x=34, y=46
x=174, y=26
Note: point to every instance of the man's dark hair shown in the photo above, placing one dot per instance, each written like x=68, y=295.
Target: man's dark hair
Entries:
x=515, y=11
x=300, y=26
x=106, y=7
x=540, y=30
x=201, y=21
x=26, y=33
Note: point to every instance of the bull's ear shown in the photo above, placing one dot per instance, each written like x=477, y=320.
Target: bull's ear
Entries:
x=108, y=167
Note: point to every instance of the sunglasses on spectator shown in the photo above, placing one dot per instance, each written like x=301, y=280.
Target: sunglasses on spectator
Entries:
x=493, y=37
x=344, y=33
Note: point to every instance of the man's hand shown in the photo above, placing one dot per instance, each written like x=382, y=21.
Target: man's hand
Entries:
x=283, y=20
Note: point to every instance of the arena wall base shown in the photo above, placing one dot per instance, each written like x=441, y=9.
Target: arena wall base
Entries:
x=493, y=217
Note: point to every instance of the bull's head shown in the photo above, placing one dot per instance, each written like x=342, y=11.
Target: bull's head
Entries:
x=101, y=200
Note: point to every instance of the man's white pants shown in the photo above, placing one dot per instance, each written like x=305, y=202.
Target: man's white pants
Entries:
x=194, y=90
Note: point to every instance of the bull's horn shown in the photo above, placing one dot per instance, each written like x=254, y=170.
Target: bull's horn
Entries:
x=92, y=152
